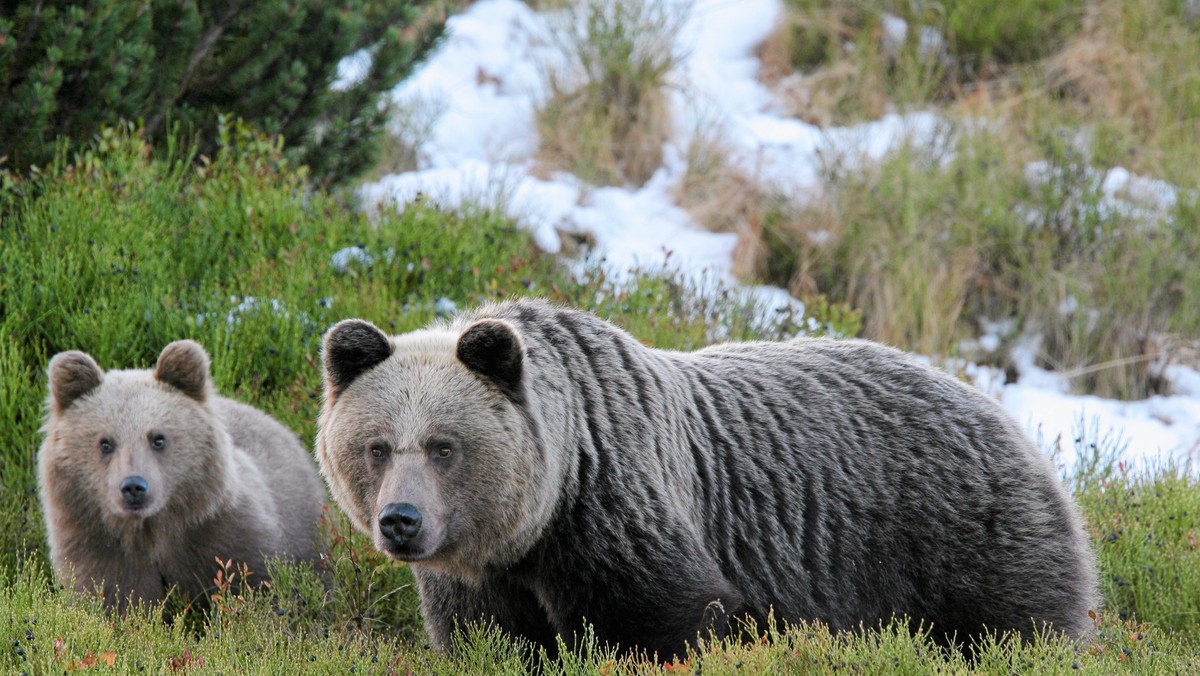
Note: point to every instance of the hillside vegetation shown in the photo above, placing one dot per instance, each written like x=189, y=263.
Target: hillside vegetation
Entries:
x=1022, y=212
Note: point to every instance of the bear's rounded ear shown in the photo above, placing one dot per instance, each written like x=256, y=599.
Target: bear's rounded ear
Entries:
x=184, y=366
x=351, y=347
x=493, y=349
x=72, y=375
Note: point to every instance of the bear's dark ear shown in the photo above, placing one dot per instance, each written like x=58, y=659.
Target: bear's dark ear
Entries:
x=351, y=347
x=184, y=366
x=492, y=348
x=72, y=375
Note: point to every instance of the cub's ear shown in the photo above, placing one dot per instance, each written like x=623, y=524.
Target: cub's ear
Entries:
x=184, y=366
x=493, y=349
x=72, y=375
x=351, y=347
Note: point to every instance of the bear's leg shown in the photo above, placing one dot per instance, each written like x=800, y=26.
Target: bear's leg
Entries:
x=709, y=609
x=656, y=611
x=447, y=601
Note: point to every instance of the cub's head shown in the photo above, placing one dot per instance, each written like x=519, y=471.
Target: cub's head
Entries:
x=129, y=445
x=426, y=445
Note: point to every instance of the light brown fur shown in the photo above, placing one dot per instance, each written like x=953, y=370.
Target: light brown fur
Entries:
x=230, y=481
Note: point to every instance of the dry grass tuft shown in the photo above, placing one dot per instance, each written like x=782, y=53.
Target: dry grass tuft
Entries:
x=1131, y=72
x=607, y=115
x=838, y=63
x=718, y=194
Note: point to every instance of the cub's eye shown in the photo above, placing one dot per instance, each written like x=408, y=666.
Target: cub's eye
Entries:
x=442, y=451
x=377, y=450
x=158, y=441
x=106, y=446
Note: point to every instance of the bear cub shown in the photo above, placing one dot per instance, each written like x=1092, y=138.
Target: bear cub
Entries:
x=148, y=476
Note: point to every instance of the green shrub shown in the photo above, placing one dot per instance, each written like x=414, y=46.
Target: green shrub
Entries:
x=1144, y=524
x=69, y=68
x=1008, y=32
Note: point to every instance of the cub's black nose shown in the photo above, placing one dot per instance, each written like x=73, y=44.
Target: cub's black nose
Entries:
x=133, y=489
x=399, y=522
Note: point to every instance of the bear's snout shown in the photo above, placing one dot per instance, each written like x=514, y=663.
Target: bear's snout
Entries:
x=399, y=522
x=134, y=490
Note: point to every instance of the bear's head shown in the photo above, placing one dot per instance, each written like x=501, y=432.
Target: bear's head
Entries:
x=427, y=446
x=125, y=446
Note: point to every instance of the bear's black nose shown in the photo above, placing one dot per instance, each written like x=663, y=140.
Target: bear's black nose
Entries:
x=133, y=489
x=399, y=522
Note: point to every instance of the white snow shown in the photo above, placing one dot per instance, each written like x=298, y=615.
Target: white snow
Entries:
x=351, y=70
x=930, y=45
x=487, y=77
x=1114, y=192
x=342, y=259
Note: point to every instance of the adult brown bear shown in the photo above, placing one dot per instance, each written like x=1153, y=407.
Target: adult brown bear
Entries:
x=540, y=468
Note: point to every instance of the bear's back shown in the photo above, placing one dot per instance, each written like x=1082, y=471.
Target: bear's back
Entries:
x=879, y=485
x=839, y=480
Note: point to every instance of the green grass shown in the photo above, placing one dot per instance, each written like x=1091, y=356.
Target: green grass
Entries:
x=46, y=631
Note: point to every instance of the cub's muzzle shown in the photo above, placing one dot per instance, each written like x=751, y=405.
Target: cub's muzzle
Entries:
x=134, y=491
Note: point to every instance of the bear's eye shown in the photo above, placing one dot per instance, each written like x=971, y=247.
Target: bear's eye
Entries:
x=106, y=446
x=377, y=449
x=158, y=441
x=442, y=451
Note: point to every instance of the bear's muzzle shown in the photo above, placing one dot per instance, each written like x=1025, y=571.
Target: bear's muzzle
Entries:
x=399, y=523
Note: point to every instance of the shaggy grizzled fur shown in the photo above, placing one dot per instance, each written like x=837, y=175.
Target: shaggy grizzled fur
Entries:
x=567, y=473
x=220, y=479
